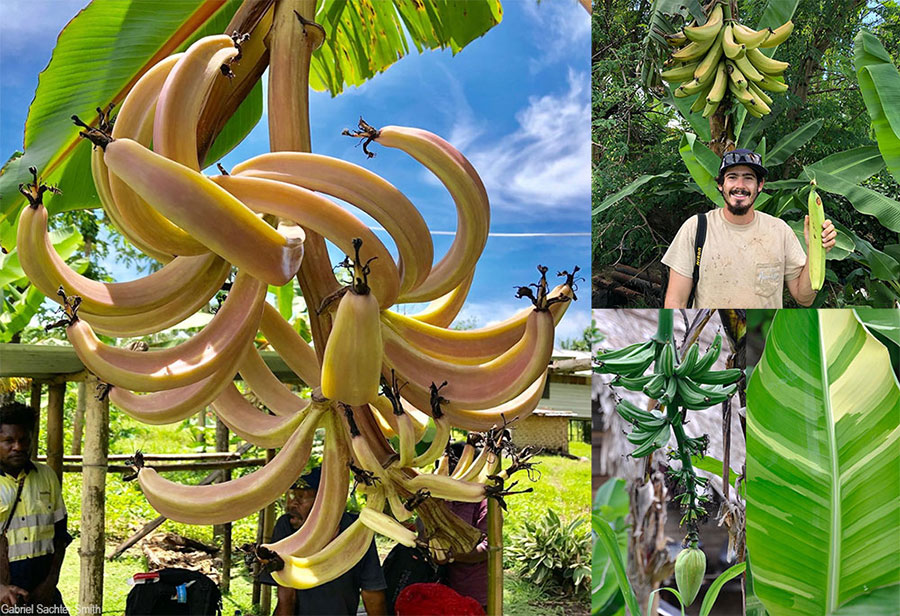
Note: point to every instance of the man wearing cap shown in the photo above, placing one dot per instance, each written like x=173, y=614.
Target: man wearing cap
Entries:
x=747, y=256
x=339, y=597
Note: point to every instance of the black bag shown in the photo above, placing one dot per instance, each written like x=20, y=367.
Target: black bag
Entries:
x=199, y=595
x=404, y=566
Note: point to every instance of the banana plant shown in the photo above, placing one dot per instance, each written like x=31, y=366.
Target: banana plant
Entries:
x=367, y=38
x=823, y=465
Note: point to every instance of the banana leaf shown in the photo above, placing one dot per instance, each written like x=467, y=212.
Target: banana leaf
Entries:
x=885, y=322
x=823, y=467
x=610, y=503
x=854, y=166
x=879, y=83
x=698, y=123
x=785, y=148
x=865, y=200
x=703, y=165
x=618, y=196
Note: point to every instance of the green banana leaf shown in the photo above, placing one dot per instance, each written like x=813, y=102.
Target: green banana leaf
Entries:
x=885, y=322
x=605, y=535
x=854, y=166
x=823, y=466
x=122, y=37
x=879, y=83
x=761, y=149
x=65, y=240
x=611, y=503
x=628, y=190
x=785, y=148
x=703, y=165
x=865, y=200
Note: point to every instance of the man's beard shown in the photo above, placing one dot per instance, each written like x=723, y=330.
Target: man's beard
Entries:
x=740, y=210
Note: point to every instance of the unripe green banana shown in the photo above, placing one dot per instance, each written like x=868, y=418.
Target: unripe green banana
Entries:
x=656, y=386
x=709, y=30
x=689, y=361
x=667, y=360
x=816, y=250
x=719, y=377
x=679, y=73
x=633, y=384
x=709, y=358
x=690, y=568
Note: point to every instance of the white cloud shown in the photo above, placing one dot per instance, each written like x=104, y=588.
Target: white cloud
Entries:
x=561, y=29
x=546, y=161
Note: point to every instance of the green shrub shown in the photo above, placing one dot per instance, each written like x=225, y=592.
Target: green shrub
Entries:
x=554, y=554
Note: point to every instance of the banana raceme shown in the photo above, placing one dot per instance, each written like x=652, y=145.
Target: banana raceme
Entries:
x=235, y=499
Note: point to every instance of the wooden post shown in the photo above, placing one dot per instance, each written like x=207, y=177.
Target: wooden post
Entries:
x=265, y=600
x=36, y=405
x=224, y=530
x=56, y=398
x=495, y=558
x=93, y=497
x=78, y=424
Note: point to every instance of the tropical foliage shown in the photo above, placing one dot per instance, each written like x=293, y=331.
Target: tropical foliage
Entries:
x=823, y=475
x=653, y=167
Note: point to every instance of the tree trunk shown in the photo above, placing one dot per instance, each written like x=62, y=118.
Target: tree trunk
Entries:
x=78, y=424
x=93, y=497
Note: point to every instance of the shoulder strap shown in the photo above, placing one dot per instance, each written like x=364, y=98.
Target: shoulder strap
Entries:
x=698, y=253
x=12, y=510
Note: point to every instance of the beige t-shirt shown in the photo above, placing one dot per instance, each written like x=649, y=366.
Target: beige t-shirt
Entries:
x=742, y=266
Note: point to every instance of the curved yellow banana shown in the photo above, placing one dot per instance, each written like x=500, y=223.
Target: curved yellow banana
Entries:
x=251, y=424
x=351, y=365
x=730, y=47
x=162, y=317
x=47, y=271
x=765, y=64
x=485, y=419
x=100, y=174
x=227, y=334
x=194, y=202
x=447, y=488
x=747, y=67
x=474, y=386
x=173, y=405
x=438, y=444
x=331, y=497
x=472, y=207
x=332, y=561
x=778, y=35
x=296, y=352
x=277, y=397
x=183, y=95
x=135, y=121
x=749, y=37
x=363, y=189
x=470, y=346
x=709, y=30
x=323, y=216
x=442, y=311
x=387, y=526
x=717, y=92
x=232, y=500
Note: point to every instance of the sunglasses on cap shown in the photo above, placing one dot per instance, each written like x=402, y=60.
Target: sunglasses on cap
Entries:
x=730, y=159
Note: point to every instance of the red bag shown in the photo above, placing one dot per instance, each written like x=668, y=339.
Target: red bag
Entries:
x=435, y=600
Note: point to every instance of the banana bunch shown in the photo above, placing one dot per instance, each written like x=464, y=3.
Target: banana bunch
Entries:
x=251, y=225
x=677, y=387
x=689, y=384
x=723, y=57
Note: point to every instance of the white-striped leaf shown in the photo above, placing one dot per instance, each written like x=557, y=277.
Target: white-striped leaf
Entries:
x=823, y=466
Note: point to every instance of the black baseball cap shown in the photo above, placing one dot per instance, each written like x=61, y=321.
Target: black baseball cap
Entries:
x=743, y=156
x=310, y=481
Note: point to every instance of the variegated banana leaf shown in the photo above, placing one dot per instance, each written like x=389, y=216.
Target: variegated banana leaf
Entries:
x=823, y=468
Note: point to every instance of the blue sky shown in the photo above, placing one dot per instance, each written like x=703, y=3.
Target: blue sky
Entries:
x=515, y=102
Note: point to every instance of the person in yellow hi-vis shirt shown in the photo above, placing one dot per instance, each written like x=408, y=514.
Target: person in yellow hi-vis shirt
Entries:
x=33, y=535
